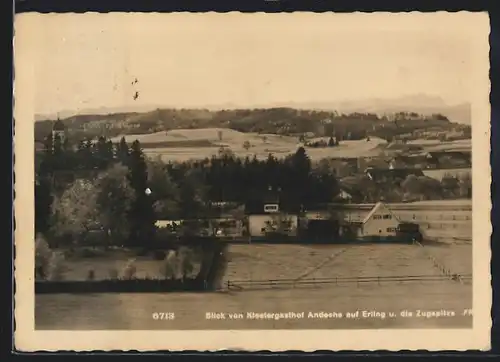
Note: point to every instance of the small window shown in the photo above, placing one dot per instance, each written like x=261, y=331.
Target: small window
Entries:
x=387, y=217
x=271, y=208
x=391, y=230
x=377, y=217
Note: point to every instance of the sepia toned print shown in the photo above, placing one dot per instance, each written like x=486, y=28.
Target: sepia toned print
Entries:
x=303, y=181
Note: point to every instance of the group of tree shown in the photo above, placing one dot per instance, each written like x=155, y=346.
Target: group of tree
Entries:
x=410, y=188
x=332, y=142
x=99, y=188
x=96, y=187
x=273, y=121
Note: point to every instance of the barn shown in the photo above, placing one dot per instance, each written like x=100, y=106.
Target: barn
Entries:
x=380, y=223
x=318, y=225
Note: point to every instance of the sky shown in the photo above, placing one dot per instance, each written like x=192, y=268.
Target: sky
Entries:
x=83, y=61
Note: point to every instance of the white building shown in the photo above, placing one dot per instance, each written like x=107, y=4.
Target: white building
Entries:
x=380, y=222
x=272, y=220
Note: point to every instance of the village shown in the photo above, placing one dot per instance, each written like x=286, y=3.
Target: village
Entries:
x=348, y=216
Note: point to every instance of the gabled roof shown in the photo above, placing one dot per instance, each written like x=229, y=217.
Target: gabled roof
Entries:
x=377, y=206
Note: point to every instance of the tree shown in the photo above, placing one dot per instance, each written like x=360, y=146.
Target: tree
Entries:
x=331, y=142
x=141, y=218
x=187, y=262
x=122, y=151
x=450, y=185
x=192, y=194
x=103, y=152
x=299, y=177
x=43, y=187
x=114, y=201
x=412, y=185
x=466, y=185
x=422, y=187
x=75, y=213
x=165, y=192
x=225, y=152
x=432, y=189
x=43, y=203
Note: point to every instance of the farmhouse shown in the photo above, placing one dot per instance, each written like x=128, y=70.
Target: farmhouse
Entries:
x=379, y=223
x=349, y=213
x=270, y=220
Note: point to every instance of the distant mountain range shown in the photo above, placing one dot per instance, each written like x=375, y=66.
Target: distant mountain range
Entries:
x=419, y=103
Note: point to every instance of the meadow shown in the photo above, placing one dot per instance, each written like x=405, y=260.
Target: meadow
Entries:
x=452, y=248
x=185, y=144
x=133, y=311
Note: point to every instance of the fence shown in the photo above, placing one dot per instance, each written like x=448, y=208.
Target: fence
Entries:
x=443, y=269
x=240, y=285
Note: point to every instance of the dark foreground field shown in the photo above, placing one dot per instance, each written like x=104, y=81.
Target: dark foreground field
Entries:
x=443, y=303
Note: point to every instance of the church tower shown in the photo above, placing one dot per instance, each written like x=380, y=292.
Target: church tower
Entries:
x=59, y=130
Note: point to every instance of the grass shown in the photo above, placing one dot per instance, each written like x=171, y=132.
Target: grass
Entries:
x=186, y=144
x=261, y=261
x=114, y=264
x=285, y=261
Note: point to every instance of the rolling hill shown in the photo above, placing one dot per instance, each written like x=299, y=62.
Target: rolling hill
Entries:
x=281, y=121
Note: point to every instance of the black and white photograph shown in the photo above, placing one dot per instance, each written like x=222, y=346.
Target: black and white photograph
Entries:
x=255, y=172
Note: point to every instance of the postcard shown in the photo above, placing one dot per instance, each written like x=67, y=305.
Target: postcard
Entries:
x=210, y=181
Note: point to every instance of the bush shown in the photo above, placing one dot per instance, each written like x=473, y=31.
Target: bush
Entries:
x=49, y=265
x=91, y=274
x=43, y=254
x=186, y=262
x=130, y=270
x=56, y=267
x=113, y=274
x=170, y=265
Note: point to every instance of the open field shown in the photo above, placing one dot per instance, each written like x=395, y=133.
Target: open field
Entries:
x=133, y=311
x=261, y=145
x=113, y=263
x=436, y=145
x=272, y=261
x=269, y=261
x=185, y=144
